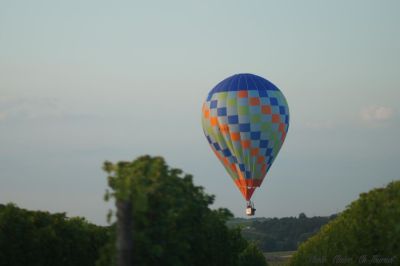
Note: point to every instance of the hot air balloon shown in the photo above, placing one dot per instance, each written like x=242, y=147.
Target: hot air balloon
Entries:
x=245, y=119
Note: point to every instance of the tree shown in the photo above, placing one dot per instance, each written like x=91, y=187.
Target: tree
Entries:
x=251, y=256
x=124, y=240
x=367, y=232
x=302, y=215
x=173, y=224
x=39, y=238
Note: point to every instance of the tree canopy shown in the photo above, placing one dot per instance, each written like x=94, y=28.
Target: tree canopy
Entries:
x=172, y=221
x=367, y=232
x=39, y=238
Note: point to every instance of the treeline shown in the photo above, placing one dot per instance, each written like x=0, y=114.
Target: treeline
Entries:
x=38, y=238
x=367, y=232
x=280, y=234
x=172, y=225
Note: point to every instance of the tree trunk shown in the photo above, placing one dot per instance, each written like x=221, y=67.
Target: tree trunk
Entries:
x=124, y=233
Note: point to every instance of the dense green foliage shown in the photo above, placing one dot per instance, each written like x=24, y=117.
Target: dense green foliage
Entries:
x=173, y=224
x=367, y=232
x=37, y=238
x=280, y=234
x=251, y=256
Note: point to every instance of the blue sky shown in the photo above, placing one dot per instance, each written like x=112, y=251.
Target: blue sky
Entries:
x=86, y=81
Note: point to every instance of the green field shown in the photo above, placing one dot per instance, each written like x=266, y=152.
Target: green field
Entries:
x=278, y=258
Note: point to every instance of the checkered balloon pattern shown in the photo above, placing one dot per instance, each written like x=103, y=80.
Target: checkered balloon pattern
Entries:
x=245, y=119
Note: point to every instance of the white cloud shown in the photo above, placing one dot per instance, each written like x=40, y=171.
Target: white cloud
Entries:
x=376, y=113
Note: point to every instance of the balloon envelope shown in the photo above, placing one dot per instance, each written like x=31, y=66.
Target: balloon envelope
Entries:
x=245, y=119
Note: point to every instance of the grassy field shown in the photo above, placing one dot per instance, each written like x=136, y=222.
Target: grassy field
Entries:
x=278, y=258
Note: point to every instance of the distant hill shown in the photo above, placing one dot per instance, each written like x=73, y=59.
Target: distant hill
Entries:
x=280, y=234
x=234, y=222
